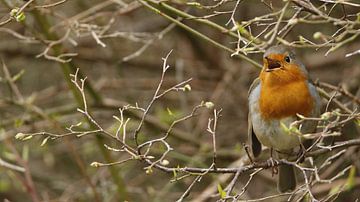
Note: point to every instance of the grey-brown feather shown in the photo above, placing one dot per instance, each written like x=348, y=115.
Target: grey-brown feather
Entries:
x=255, y=145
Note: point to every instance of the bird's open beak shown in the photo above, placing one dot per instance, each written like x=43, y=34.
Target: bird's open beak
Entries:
x=272, y=64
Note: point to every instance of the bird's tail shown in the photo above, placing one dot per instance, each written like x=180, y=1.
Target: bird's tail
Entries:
x=287, y=179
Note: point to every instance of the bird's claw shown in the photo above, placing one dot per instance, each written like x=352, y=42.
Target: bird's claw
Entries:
x=273, y=164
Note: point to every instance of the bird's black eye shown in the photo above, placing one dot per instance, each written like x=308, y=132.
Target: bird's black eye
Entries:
x=287, y=59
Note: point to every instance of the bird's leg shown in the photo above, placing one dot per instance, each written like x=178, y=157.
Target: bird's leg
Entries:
x=272, y=163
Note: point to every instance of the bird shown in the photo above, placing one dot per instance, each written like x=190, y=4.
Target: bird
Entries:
x=282, y=91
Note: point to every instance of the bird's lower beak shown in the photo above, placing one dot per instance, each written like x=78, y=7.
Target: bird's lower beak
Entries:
x=268, y=70
x=272, y=65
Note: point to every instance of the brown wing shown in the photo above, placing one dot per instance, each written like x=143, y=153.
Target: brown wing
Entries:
x=254, y=143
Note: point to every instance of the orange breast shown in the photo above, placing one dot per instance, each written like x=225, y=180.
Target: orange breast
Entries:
x=288, y=99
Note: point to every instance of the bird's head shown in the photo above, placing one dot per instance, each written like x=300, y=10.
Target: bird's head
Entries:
x=281, y=66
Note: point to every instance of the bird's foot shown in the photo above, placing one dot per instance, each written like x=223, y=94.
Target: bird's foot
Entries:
x=273, y=164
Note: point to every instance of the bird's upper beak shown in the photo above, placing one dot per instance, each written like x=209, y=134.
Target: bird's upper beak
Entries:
x=272, y=64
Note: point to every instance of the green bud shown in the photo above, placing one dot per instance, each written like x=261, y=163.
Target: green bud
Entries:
x=209, y=105
x=302, y=39
x=21, y=17
x=326, y=115
x=164, y=162
x=293, y=21
x=14, y=11
x=317, y=35
x=149, y=171
x=23, y=136
x=187, y=87
x=20, y=136
x=95, y=164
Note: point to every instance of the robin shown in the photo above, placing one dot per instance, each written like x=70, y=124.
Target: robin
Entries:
x=282, y=91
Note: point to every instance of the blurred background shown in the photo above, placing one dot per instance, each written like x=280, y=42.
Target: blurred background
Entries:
x=119, y=45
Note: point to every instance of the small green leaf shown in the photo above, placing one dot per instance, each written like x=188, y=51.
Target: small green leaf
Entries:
x=18, y=75
x=334, y=190
x=357, y=121
x=44, y=141
x=240, y=28
x=21, y=17
x=27, y=137
x=167, y=114
x=195, y=4
x=350, y=182
x=18, y=122
x=221, y=191
x=284, y=127
x=169, y=111
x=294, y=129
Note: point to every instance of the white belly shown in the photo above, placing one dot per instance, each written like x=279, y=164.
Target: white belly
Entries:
x=270, y=133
